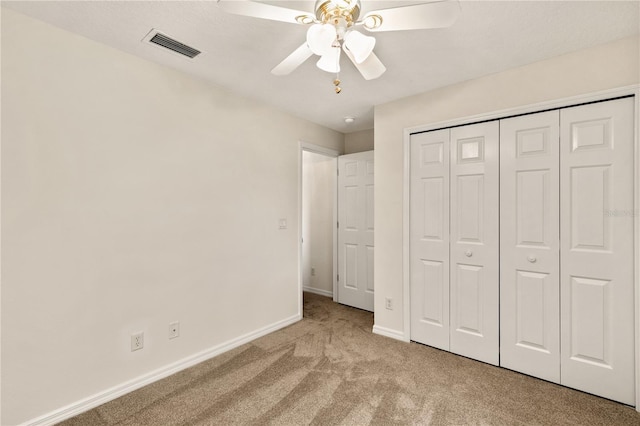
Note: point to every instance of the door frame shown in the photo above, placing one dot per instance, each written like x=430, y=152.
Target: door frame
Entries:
x=328, y=152
x=528, y=109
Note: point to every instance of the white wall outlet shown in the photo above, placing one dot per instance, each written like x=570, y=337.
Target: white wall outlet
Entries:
x=174, y=330
x=282, y=223
x=137, y=341
x=388, y=303
x=313, y=272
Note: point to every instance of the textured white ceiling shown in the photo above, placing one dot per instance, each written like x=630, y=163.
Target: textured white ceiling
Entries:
x=239, y=52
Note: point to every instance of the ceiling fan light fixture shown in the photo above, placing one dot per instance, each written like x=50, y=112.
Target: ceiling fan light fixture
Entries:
x=330, y=61
x=320, y=37
x=359, y=45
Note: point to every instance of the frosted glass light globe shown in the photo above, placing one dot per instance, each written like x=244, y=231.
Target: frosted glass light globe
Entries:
x=320, y=37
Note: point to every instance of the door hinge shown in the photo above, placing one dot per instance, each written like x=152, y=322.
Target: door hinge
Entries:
x=338, y=278
x=338, y=225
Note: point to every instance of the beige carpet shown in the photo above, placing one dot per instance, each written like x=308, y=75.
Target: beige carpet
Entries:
x=330, y=369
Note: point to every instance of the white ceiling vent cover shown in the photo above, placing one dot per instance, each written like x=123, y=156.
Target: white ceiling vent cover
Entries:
x=159, y=39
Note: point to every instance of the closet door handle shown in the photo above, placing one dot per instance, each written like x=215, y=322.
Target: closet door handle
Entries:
x=531, y=259
x=468, y=253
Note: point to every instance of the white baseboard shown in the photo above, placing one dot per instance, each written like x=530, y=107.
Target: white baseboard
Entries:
x=318, y=291
x=387, y=332
x=107, y=395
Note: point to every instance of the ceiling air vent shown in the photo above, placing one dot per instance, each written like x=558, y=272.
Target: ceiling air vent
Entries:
x=167, y=42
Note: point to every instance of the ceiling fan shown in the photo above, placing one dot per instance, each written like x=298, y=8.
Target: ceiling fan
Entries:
x=333, y=29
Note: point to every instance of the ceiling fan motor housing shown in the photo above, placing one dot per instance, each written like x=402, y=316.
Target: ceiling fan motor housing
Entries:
x=334, y=11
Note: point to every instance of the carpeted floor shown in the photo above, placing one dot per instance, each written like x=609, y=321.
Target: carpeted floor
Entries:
x=329, y=369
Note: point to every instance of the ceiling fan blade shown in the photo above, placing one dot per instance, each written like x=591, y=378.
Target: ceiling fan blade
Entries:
x=371, y=68
x=265, y=11
x=437, y=14
x=293, y=61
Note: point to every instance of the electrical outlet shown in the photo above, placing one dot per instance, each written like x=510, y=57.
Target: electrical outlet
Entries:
x=137, y=341
x=388, y=303
x=174, y=330
x=313, y=272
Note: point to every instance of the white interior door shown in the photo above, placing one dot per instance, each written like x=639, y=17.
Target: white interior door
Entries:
x=529, y=245
x=430, y=238
x=474, y=287
x=355, y=230
x=597, y=297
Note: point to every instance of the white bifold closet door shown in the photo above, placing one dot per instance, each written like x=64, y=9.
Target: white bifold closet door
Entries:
x=429, y=245
x=454, y=240
x=355, y=230
x=473, y=248
x=596, y=222
x=565, y=220
x=529, y=245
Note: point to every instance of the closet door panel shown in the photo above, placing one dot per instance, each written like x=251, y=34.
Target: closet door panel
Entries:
x=597, y=249
x=429, y=217
x=474, y=241
x=529, y=245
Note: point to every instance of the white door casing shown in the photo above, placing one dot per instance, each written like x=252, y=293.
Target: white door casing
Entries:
x=474, y=227
x=355, y=230
x=529, y=245
x=430, y=238
x=597, y=265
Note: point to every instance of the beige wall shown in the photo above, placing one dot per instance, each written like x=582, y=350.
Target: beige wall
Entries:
x=604, y=67
x=358, y=141
x=133, y=196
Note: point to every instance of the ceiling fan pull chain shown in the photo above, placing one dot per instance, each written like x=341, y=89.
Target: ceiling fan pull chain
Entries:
x=336, y=83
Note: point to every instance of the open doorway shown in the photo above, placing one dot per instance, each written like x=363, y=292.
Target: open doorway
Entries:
x=318, y=219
